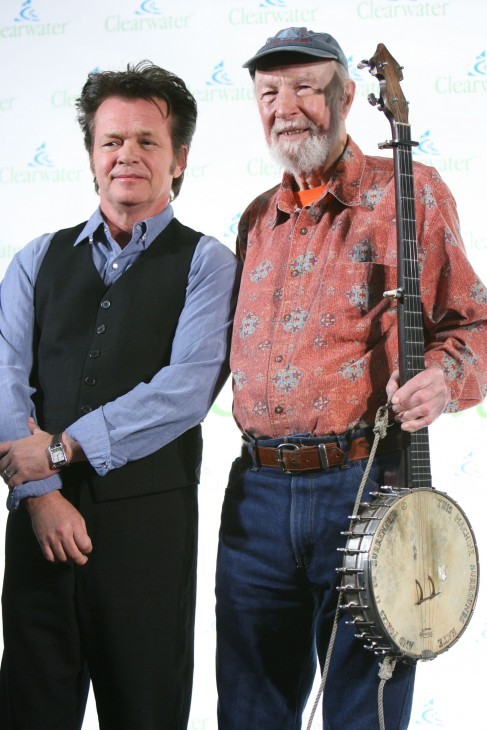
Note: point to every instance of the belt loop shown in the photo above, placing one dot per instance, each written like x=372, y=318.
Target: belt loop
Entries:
x=344, y=445
x=323, y=456
x=250, y=444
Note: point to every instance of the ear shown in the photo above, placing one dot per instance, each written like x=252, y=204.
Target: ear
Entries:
x=347, y=97
x=180, y=161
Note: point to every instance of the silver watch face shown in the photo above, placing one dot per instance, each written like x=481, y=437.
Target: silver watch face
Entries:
x=57, y=454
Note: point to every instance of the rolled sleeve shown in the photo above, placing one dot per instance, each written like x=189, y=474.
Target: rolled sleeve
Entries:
x=32, y=489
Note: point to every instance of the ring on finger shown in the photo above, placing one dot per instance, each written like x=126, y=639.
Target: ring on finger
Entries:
x=7, y=473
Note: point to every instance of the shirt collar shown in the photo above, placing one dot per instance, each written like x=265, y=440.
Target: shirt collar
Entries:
x=344, y=184
x=152, y=226
x=346, y=181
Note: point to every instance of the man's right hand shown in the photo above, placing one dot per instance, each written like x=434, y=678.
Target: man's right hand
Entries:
x=60, y=529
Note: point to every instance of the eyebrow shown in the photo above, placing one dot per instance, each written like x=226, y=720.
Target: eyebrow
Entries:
x=118, y=133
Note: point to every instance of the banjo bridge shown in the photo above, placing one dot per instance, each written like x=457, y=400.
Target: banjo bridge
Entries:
x=420, y=592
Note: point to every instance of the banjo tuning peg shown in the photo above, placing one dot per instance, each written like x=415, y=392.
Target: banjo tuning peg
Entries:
x=373, y=100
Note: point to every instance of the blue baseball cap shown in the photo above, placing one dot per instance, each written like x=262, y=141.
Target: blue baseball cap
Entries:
x=300, y=40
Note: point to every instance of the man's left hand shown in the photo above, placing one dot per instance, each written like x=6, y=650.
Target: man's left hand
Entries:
x=420, y=400
x=25, y=460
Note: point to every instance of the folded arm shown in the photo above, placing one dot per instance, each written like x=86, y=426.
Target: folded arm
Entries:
x=152, y=414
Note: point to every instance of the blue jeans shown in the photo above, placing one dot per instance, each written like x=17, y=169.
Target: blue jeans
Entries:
x=276, y=590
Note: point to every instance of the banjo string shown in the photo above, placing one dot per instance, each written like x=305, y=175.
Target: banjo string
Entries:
x=416, y=359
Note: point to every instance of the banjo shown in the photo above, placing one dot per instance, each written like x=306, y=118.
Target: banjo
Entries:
x=410, y=570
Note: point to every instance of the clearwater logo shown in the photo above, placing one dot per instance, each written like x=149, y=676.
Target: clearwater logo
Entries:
x=355, y=73
x=148, y=16
x=219, y=76
x=469, y=467
x=27, y=13
x=40, y=168
x=41, y=158
x=426, y=145
x=483, y=636
x=148, y=6
x=62, y=98
x=427, y=153
x=272, y=11
x=474, y=81
x=231, y=232
x=220, y=87
x=480, y=66
x=429, y=716
x=27, y=24
x=7, y=252
x=396, y=9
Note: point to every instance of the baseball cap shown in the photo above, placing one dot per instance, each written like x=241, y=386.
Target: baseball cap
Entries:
x=300, y=40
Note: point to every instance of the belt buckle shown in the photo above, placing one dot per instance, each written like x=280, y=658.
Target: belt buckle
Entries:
x=285, y=447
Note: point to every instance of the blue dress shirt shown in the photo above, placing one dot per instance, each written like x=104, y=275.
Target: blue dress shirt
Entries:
x=152, y=414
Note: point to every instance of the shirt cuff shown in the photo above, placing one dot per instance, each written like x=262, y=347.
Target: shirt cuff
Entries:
x=32, y=489
x=91, y=433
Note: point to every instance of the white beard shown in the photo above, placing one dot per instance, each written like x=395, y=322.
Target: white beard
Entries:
x=303, y=158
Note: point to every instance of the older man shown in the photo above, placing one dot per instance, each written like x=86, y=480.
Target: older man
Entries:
x=314, y=355
x=114, y=336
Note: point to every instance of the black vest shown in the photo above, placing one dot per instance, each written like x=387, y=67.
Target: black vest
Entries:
x=94, y=343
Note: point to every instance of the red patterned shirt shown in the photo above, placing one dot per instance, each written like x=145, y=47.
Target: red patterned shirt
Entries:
x=314, y=339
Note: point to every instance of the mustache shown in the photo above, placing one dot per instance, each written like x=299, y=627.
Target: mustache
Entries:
x=281, y=126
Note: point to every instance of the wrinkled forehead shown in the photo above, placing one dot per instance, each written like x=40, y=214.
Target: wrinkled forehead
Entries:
x=120, y=104
x=124, y=114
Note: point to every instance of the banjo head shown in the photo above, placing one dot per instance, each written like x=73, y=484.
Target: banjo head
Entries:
x=411, y=574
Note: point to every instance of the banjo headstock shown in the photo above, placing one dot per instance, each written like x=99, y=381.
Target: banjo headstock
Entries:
x=389, y=74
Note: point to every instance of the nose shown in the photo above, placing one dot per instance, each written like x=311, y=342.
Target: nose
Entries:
x=286, y=103
x=128, y=152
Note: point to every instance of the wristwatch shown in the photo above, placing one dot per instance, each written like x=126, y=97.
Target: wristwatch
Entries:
x=56, y=453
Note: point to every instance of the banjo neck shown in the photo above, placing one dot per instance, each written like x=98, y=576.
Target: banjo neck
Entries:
x=408, y=294
x=410, y=318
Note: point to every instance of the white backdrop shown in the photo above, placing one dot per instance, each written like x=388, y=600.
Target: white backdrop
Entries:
x=47, y=48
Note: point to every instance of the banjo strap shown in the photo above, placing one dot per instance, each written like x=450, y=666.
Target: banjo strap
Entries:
x=385, y=672
x=380, y=431
x=387, y=668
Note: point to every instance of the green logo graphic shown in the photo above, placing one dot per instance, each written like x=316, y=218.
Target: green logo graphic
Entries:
x=370, y=10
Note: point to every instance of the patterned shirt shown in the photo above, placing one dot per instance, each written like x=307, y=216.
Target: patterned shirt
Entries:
x=314, y=339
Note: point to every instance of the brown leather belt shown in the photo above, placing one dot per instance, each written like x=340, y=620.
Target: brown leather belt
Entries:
x=290, y=457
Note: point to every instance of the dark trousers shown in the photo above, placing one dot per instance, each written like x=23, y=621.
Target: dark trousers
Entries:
x=276, y=591
x=125, y=620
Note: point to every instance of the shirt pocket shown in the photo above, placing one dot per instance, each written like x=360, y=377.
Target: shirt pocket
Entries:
x=356, y=310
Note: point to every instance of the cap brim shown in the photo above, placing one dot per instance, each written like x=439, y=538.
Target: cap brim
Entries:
x=290, y=49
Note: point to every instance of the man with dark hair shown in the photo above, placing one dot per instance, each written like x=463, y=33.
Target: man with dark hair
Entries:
x=113, y=346
x=141, y=82
x=314, y=355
